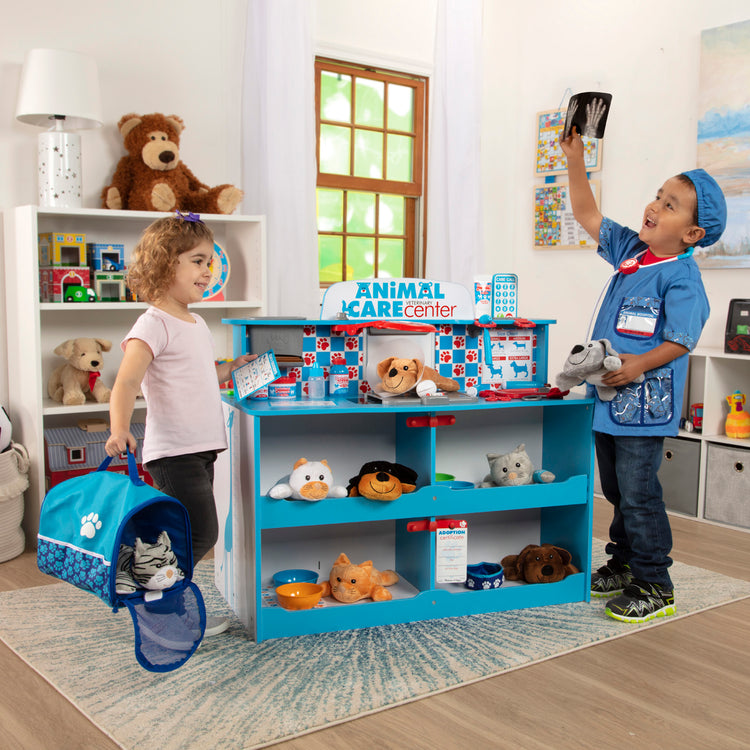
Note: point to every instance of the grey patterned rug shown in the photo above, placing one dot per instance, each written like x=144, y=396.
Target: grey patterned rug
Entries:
x=237, y=694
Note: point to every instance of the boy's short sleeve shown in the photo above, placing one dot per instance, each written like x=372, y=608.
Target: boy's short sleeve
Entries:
x=616, y=243
x=686, y=311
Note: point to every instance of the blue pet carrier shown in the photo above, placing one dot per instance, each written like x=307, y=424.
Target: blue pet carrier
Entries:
x=84, y=521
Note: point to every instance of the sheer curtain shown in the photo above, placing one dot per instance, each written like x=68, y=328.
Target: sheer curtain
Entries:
x=454, y=221
x=278, y=149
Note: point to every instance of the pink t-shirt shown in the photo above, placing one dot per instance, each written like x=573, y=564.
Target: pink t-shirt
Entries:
x=182, y=394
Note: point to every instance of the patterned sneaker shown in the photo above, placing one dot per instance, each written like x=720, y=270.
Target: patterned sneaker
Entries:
x=610, y=579
x=641, y=602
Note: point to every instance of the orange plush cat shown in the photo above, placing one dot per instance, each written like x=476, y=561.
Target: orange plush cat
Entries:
x=349, y=583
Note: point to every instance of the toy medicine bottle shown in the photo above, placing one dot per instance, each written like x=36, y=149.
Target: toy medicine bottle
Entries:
x=338, y=377
x=316, y=383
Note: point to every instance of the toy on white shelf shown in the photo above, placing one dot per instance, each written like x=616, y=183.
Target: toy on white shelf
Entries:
x=79, y=377
x=738, y=420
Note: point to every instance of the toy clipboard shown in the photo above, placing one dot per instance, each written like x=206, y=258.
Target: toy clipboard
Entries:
x=254, y=375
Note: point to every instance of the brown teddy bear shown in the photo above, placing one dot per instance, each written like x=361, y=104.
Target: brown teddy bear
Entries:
x=79, y=376
x=538, y=564
x=152, y=178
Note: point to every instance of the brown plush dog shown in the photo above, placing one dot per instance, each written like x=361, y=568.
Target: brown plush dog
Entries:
x=401, y=375
x=153, y=178
x=382, y=480
x=538, y=564
x=78, y=378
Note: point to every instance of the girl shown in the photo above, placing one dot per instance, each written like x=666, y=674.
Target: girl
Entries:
x=169, y=354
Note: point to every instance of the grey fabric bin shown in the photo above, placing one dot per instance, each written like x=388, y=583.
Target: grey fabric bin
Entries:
x=728, y=485
x=679, y=474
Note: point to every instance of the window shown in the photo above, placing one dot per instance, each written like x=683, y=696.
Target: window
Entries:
x=371, y=136
x=77, y=455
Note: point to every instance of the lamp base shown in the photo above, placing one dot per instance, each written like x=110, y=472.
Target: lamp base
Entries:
x=60, y=169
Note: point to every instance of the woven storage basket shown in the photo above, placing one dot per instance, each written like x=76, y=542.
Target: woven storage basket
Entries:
x=14, y=479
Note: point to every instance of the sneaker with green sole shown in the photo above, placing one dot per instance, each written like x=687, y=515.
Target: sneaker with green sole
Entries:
x=611, y=579
x=641, y=601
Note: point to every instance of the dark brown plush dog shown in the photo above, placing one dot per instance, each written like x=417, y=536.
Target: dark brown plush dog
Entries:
x=382, y=480
x=538, y=564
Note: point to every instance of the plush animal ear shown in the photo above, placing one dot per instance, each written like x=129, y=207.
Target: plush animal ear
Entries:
x=384, y=365
x=325, y=463
x=299, y=462
x=65, y=349
x=164, y=539
x=127, y=123
x=105, y=344
x=565, y=556
x=521, y=562
x=176, y=122
x=342, y=559
x=420, y=367
x=608, y=347
x=521, y=448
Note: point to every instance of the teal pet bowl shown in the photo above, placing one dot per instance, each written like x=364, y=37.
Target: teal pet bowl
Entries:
x=456, y=484
x=484, y=576
x=295, y=575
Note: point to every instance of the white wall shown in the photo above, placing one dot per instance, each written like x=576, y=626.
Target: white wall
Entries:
x=647, y=54
x=184, y=57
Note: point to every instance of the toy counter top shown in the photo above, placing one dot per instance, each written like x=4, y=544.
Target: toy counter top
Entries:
x=362, y=404
x=377, y=322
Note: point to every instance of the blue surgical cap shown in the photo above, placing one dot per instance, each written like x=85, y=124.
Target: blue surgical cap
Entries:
x=712, y=208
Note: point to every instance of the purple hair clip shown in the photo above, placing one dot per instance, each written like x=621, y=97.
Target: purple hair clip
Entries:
x=191, y=217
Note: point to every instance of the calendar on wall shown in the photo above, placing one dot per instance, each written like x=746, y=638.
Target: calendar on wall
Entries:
x=554, y=224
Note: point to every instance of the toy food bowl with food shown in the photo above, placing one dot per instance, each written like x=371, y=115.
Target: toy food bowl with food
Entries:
x=484, y=575
x=302, y=595
x=295, y=575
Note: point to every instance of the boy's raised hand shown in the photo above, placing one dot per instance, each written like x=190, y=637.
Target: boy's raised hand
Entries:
x=572, y=146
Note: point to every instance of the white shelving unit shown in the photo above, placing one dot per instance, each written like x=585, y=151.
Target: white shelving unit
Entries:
x=35, y=329
x=713, y=375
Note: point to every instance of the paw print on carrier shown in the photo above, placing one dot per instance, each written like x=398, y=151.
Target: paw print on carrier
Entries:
x=90, y=524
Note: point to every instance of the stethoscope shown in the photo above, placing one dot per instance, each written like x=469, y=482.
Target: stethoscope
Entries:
x=626, y=268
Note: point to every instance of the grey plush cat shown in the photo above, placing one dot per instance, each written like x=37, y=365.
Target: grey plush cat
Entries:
x=147, y=566
x=514, y=468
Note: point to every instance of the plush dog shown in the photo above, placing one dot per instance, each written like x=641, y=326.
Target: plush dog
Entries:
x=538, y=564
x=513, y=469
x=401, y=375
x=349, y=582
x=151, y=177
x=309, y=480
x=382, y=480
x=78, y=378
x=590, y=362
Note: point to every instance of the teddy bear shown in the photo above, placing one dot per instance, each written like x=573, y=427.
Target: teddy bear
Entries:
x=78, y=378
x=513, y=469
x=399, y=375
x=151, y=177
x=309, y=480
x=590, y=362
x=382, y=480
x=536, y=563
x=349, y=582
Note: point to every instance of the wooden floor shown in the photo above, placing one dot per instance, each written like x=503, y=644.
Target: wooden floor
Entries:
x=682, y=685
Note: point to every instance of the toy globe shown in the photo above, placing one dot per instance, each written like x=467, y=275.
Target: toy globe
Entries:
x=738, y=420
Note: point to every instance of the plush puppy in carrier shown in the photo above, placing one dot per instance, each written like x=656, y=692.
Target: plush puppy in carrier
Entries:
x=119, y=538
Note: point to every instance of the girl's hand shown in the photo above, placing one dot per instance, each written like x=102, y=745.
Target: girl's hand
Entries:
x=118, y=442
x=243, y=359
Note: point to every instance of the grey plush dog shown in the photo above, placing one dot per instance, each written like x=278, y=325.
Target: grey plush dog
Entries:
x=589, y=362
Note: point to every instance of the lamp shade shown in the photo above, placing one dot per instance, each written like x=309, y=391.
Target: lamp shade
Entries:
x=59, y=83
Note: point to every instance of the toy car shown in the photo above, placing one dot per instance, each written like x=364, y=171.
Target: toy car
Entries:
x=77, y=293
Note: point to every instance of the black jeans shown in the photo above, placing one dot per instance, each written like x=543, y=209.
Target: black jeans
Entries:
x=190, y=479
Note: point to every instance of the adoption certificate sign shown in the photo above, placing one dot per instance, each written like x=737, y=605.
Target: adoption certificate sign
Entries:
x=450, y=554
x=254, y=375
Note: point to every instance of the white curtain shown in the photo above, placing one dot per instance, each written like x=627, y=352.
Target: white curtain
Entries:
x=278, y=154
x=454, y=221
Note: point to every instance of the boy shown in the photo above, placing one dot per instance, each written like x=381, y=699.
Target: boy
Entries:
x=653, y=314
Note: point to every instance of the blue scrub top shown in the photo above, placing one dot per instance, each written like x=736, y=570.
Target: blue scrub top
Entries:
x=660, y=302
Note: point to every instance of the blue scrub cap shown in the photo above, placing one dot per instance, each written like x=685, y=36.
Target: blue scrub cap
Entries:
x=712, y=208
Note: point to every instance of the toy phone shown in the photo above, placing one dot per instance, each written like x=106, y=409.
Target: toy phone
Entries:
x=254, y=375
x=505, y=295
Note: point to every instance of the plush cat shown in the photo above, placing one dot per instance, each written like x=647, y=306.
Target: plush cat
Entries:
x=513, y=469
x=349, y=583
x=147, y=566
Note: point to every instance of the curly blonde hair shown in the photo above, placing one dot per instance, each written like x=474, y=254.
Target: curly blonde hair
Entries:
x=152, y=265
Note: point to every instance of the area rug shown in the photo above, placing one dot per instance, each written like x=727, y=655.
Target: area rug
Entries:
x=239, y=695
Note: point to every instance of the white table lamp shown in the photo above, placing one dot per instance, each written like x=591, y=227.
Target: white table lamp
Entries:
x=60, y=91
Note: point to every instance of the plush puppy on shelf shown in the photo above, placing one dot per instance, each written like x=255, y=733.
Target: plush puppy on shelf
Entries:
x=382, y=480
x=77, y=379
x=536, y=563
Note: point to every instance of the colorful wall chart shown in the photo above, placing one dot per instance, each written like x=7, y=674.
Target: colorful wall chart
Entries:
x=550, y=159
x=554, y=225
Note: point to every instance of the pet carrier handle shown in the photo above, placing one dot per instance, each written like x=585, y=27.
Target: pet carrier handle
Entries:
x=132, y=467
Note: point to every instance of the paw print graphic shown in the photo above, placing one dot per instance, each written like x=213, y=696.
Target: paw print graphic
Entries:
x=90, y=524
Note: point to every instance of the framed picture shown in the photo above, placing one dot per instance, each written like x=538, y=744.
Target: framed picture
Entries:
x=554, y=225
x=550, y=159
x=724, y=137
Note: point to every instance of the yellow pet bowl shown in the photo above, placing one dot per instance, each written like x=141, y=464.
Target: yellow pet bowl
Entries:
x=299, y=595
